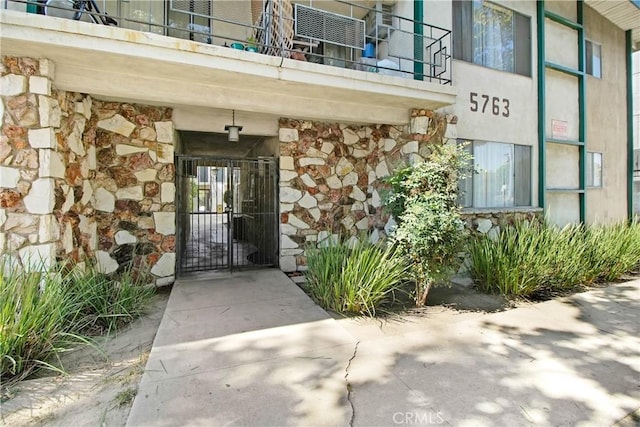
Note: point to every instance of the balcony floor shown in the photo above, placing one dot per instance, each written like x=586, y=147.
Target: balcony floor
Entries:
x=119, y=64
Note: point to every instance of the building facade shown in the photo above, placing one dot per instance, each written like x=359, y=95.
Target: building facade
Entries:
x=172, y=137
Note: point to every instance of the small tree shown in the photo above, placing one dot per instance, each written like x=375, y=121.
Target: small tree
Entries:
x=424, y=200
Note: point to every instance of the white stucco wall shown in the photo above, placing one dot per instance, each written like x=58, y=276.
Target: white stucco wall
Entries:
x=605, y=113
x=563, y=8
x=563, y=208
x=402, y=41
x=636, y=127
x=215, y=119
x=517, y=92
x=16, y=6
x=561, y=102
x=563, y=167
x=607, y=120
x=561, y=44
x=636, y=99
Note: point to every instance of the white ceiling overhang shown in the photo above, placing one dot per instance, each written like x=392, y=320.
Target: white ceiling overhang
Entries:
x=625, y=14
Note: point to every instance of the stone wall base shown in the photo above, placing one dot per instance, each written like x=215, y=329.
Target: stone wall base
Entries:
x=491, y=221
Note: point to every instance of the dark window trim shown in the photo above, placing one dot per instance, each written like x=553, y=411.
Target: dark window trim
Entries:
x=462, y=39
x=589, y=177
x=588, y=58
x=470, y=146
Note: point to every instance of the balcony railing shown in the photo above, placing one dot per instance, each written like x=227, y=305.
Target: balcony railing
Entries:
x=365, y=35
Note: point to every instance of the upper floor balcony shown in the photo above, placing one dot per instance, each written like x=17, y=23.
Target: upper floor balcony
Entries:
x=359, y=61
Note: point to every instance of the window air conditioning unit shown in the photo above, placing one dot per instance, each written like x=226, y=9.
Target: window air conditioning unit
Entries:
x=380, y=22
x=201, y=8
x=328, y=27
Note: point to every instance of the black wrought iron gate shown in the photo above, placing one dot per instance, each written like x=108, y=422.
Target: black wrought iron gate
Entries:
x=227, y=213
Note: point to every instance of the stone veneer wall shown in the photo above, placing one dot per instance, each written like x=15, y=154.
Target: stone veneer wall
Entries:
x=331, y=177
x=491, y=221
x=81, y=178
x=134, y=188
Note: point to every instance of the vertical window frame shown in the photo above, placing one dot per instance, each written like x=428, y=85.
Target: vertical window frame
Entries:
x=591, y=169
x=590, y=53
x=492, y=13
x=463, y=24
x=469, y=184
x=203, y=174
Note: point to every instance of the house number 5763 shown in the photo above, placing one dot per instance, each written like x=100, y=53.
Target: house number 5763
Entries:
x=485, y=104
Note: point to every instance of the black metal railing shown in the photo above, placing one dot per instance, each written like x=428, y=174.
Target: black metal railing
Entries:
x=330, y=32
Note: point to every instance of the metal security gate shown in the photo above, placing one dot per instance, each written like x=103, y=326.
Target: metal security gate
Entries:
x=227, y=213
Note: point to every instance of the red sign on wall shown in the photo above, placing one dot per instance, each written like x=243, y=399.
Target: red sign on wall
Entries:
x=559, y=129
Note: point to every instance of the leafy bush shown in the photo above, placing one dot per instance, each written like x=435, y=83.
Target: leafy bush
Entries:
x=45, y=313
x=424, y=200
x=538, y=259
x=354, y=277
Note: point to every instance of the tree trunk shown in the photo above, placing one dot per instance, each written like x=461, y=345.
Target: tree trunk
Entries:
x=421, y=299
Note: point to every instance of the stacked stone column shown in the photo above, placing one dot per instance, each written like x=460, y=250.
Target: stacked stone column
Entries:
x=81, y=178
x=29, y=162
x=135, y=189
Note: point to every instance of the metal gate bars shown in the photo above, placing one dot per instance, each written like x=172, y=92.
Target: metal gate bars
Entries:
x=227, y=213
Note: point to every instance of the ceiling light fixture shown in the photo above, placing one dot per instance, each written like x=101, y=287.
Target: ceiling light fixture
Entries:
x=232, y=129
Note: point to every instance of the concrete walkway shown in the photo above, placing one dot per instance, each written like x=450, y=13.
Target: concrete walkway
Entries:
x=245, y=349
x=252, y=349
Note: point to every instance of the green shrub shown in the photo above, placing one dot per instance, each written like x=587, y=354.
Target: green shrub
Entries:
x=430, y=233
x=538, y=259
x=45, y=313
x=349, y=277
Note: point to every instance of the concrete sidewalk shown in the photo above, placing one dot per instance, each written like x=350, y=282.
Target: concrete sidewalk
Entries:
x=571, y=361
x=253, y=349
x=244, y=349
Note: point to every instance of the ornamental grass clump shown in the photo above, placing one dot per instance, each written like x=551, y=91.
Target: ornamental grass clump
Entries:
x=105, y=302
x=46, y=311
x=614, y=250
x=526, y=259
x=537, y=260
x=358, y=277
x=35, y=320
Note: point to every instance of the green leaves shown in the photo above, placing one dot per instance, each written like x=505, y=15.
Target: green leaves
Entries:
x=105, y=303
x=354, y=276
x=32, y=314
x=423, y=199
x=42, y=313
x=534, y=260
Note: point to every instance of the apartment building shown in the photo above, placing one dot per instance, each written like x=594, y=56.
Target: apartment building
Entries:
x=178, y=136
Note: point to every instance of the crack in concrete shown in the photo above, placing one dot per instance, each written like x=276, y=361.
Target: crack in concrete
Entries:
x=349, y=388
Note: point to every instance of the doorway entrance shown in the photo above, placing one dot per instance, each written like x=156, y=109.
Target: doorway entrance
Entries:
x=227, y=213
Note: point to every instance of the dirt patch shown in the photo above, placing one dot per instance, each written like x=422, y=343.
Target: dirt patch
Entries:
x=100, y=384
